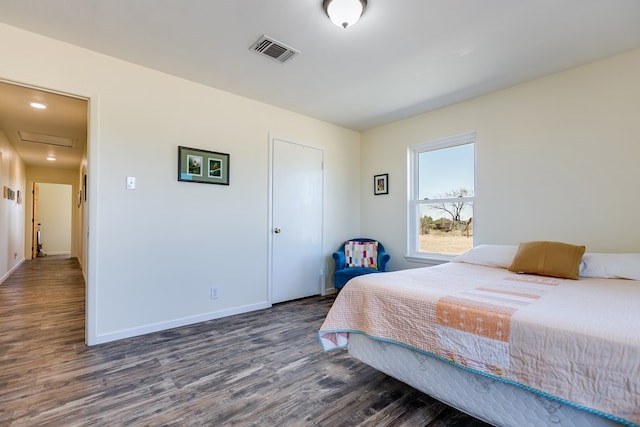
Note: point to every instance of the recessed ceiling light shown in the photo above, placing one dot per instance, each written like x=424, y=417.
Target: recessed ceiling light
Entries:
x=51, y=158
x=38, y=105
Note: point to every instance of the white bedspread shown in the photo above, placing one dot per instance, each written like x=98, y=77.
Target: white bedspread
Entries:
x=578, y=341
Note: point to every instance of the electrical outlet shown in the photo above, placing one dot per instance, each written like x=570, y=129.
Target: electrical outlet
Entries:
x=214, y=293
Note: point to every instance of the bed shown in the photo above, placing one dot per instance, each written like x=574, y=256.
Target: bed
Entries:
x=509, y=348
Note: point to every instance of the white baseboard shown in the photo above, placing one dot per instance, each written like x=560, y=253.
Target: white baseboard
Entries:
x=14, y=268
x=176, y=323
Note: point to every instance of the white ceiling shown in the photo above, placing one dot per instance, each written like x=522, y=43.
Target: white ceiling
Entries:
x=403, y=58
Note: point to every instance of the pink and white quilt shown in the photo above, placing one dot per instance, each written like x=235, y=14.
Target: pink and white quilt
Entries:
x=577, y=341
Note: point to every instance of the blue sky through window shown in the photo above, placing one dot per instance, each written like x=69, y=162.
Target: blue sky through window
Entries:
x=446, y=170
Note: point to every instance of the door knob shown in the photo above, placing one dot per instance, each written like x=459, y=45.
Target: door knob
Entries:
x=276, y=230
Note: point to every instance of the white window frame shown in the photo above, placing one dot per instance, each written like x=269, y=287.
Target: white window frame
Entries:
x=413, y=243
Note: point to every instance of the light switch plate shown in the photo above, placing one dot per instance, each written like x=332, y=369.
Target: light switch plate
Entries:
x=131, y=183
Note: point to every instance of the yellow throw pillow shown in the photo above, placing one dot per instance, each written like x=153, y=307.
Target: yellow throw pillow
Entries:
x=548, y=259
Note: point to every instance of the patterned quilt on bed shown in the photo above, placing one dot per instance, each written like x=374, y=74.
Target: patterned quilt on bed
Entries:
x=472, y=327
x=571, y=340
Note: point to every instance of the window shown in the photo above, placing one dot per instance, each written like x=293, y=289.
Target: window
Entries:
x=441, y=182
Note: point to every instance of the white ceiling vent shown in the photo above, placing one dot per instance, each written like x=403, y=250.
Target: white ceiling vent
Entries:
x=274, y=49
x=42, y=138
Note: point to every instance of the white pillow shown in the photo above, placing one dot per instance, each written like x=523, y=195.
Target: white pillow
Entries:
x=610, y=266
x=489, y=255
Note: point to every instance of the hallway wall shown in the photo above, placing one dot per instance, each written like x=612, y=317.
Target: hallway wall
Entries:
x=45, y=175
x=12, y=175
x=54, y=215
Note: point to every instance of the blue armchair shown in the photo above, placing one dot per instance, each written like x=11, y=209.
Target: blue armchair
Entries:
x=348, y=267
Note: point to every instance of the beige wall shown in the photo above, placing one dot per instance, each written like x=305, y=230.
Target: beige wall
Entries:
x=54, y=215
x=12, y=175
x=556, y=159
x=44, y=175
x=150, y=250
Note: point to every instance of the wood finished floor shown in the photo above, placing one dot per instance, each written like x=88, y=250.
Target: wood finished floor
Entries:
x=264, y=368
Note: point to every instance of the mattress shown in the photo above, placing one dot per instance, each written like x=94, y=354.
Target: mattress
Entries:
x=563, y=340
x=490, y=400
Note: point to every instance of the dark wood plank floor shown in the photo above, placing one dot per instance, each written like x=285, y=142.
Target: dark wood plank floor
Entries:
x=264, y=368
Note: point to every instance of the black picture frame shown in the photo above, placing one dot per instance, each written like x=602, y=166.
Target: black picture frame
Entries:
x=381, y=184
x=203, y=166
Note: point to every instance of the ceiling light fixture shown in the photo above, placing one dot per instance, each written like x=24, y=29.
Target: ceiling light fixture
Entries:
x=51, y=158
x=38, y=105
x=344, y=13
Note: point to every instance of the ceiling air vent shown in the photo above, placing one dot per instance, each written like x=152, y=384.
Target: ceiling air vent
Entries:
x=274, y=49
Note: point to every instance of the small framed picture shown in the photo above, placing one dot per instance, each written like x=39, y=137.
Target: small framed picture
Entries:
x=194, y=165
x=207, y=167
x=381, y=184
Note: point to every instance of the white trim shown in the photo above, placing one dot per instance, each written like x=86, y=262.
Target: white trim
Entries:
x=445, y=200
x=429, y=259
x=330, y=291
x=176, y=323
x=270, y=218
x=413, y=203
x=448, y=142
x=14, y=268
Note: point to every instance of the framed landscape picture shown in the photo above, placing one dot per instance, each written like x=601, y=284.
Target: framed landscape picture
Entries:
x=207, y=167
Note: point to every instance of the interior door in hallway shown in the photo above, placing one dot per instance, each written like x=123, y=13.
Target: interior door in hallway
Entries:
x=296, y=244
x=34, y=221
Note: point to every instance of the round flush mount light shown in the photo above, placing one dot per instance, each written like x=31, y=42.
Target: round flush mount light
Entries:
x=38, y=105
x=344, y=13
x=51, y=158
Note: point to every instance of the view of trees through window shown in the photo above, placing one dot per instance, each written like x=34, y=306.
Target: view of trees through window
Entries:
x=447, y=227
x=445, y=194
